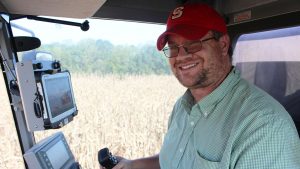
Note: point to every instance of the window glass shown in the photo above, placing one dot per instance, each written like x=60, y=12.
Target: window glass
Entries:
x=276, y=45
x=10, y=151
x=123, y=86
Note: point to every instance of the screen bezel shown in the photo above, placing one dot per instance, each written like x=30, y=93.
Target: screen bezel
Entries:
x=65, y=114
x=44, y=146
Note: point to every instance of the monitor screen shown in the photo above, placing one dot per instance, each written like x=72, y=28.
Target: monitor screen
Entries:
x=52, y=152
x=58, y=154
x=58, y=95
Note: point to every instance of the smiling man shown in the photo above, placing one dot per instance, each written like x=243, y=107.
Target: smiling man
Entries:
x=199, y=64
x=222, y=121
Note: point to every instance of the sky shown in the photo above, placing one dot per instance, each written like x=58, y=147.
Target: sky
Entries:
x=117, y=32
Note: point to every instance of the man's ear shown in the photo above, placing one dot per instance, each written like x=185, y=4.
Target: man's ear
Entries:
x=224, y=44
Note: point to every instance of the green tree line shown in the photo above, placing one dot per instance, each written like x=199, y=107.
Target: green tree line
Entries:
x=102, y=57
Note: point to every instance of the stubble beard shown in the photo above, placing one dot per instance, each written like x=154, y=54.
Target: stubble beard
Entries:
x=200, y=80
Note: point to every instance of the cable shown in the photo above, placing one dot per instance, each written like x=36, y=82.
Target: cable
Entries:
x=38, y=104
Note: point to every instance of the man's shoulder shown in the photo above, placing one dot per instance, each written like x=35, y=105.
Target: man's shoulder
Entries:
x=258, y=106
x=252, y=95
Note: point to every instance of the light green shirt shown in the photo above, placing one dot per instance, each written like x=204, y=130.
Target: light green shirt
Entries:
x=237, y=126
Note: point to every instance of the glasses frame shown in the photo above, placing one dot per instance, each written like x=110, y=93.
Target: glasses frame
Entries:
x=185, y=47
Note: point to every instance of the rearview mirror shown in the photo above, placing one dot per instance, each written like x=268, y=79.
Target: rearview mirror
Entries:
x=26, y=43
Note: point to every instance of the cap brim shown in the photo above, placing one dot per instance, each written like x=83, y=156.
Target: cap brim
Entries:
x=189, y=32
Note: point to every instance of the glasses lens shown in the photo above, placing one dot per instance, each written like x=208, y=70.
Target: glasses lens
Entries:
x=194, y=47
x=171, y=51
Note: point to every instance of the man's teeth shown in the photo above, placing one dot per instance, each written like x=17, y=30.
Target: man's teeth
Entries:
x=188, y=66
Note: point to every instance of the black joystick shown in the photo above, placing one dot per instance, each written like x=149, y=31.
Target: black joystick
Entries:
x=106, y=159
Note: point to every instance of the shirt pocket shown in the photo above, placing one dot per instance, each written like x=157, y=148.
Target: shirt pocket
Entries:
x=201, y=163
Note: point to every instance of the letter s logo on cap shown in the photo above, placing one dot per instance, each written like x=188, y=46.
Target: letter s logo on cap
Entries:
x=177, y=12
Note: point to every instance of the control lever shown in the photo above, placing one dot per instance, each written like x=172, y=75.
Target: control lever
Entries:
x=106, y=159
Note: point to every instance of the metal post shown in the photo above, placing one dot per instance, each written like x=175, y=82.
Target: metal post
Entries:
x=8, y=59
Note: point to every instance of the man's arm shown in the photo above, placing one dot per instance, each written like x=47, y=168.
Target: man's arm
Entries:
x=141, y=163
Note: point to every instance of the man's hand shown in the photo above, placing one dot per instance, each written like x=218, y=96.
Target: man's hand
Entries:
x=145, y=163
x=122, y=163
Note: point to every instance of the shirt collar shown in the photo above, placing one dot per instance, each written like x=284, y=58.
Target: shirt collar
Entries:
x=188, y=100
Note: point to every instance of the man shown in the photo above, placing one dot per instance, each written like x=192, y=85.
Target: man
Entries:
x=221, y=121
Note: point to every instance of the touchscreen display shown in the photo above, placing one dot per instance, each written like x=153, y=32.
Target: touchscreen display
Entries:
x=58, y=155
x=59, y=95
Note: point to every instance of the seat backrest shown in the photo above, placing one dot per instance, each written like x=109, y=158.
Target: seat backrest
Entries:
x=280, y=79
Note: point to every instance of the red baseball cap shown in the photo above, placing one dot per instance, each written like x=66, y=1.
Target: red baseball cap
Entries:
x=192, y=21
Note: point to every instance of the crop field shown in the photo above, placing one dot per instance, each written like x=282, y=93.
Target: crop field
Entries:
x=128, y=114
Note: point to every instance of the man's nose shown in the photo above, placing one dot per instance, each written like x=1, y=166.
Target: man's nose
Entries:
x=182, y=52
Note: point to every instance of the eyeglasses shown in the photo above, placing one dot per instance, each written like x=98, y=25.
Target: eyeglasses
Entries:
x=190, y=48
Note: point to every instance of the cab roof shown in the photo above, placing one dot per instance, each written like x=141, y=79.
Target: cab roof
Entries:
x=241, y=16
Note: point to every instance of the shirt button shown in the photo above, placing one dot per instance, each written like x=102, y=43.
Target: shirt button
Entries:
x=192, y=123
x=181, y=150
x=205, y=114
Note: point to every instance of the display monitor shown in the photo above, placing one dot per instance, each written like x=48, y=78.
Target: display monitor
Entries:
x=51, y=153
x=59, y=99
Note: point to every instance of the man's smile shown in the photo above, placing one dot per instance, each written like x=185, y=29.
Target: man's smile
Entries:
x=188, y=66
